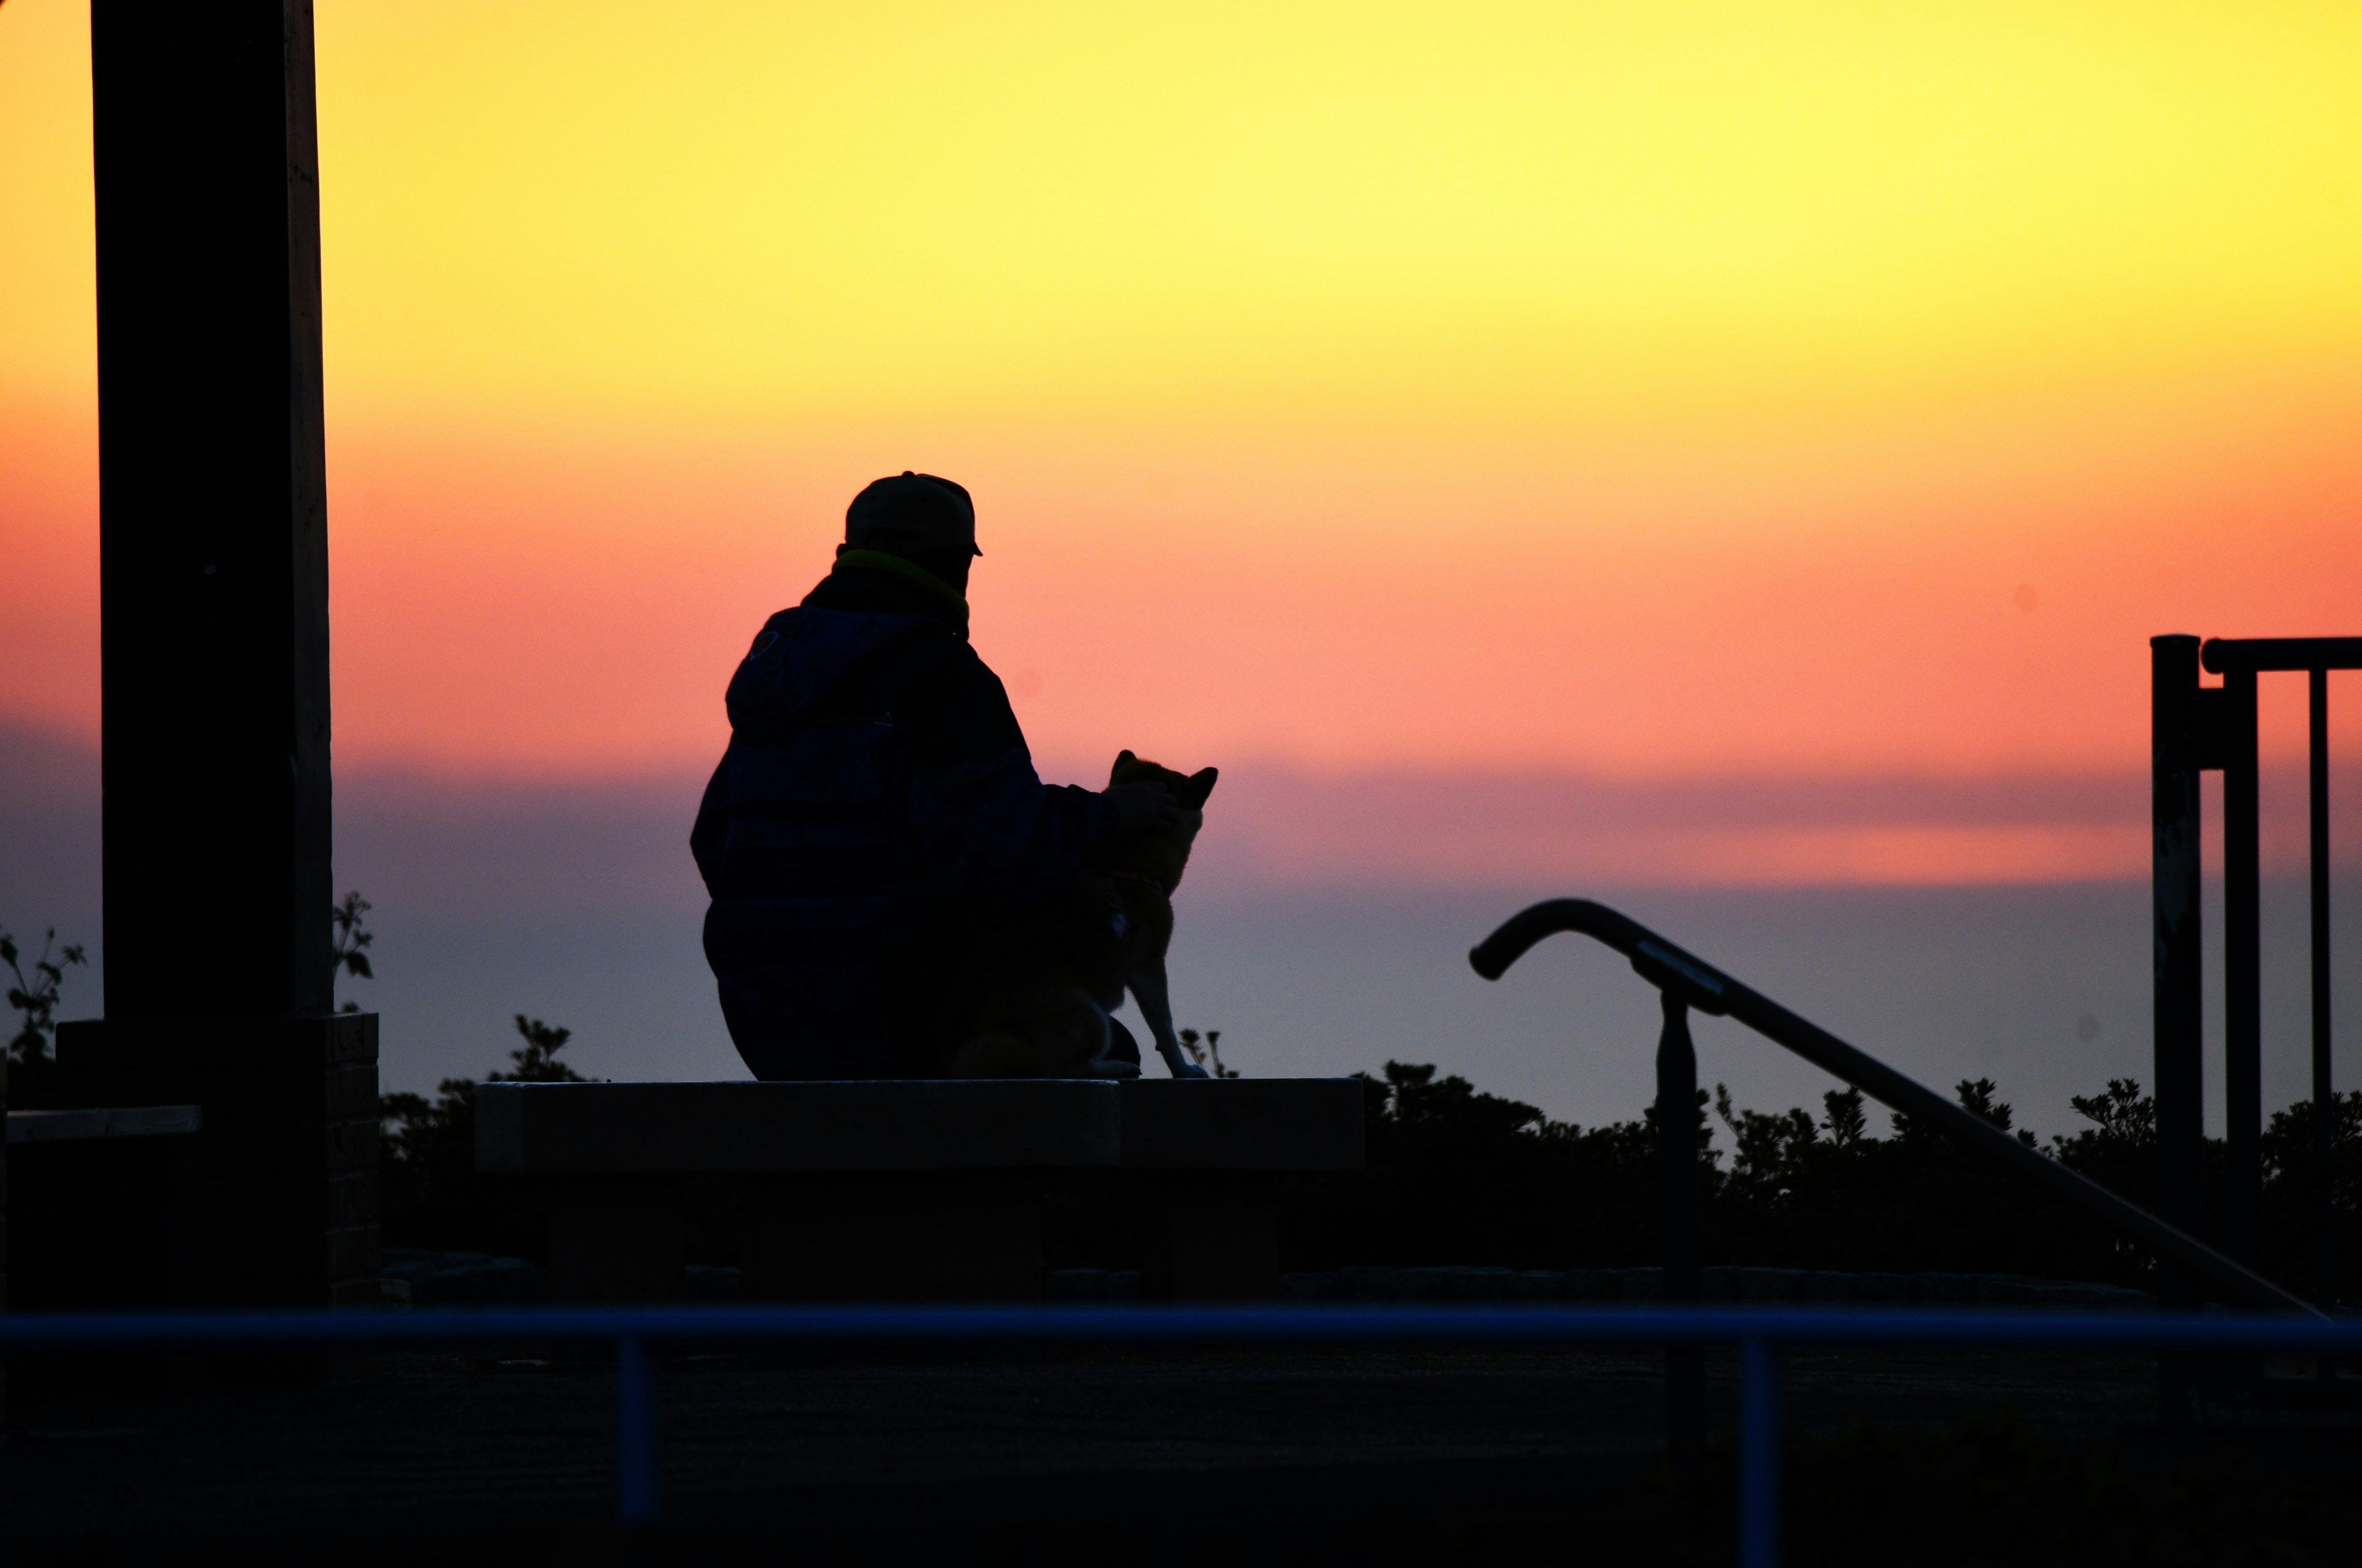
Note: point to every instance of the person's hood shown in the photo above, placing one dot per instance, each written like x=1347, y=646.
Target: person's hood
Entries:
x=801, y=654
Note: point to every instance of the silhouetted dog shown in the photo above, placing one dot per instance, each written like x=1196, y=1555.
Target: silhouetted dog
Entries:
x=1037, y=997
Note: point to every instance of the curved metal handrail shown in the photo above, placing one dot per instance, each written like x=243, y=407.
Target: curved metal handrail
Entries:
x=1699, y=984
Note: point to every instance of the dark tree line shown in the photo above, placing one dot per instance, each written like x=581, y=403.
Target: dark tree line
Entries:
x=428, y=1193
x=1457, y=1176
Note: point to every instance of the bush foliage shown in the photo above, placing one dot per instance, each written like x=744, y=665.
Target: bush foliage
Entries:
x=428, y=1193
x=1457, y=1176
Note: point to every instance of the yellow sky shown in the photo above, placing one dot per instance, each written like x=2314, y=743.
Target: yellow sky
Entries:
x=1615, y=344
x=1305, y=213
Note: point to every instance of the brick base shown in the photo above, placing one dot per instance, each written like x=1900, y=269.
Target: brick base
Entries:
x=273, y=1203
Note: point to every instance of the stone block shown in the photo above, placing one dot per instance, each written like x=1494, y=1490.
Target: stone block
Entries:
x=352, y=1252
x=274, y=1067
x=101, y=1223
x=1243, y=1124
x=102, y=1122
x=1882, y=1287
x=892, y=1236
x=1944, y=1289
x=1772, y=1285
x=352, y=1199
x=236, y=1145
x=616, y=1239
x=1538, y=1285
x=914, y=1189
x=754, y=1128
x=1210, y=1237
x=272, y=1201
x=361, y=1294
x=1593, y=1285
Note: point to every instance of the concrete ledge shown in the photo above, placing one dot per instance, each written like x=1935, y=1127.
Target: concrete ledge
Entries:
x=1243, y=1124
x=1259, y=1124
x=913, y=1189
x=758, y=1129
x=124, y=1121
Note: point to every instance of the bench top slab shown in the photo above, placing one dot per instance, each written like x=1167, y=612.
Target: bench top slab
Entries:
x=852, y=1125
x=125, y=1121
x=1241, y=1124
x=647, y=1128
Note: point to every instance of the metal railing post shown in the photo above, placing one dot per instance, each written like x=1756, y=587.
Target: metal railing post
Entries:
x=635, y=1417
x=2324, y=1102
x=1759, y=1454
x=2177, y=976
x=2178, y=980
x=2243, y=999
x=1677, y=1208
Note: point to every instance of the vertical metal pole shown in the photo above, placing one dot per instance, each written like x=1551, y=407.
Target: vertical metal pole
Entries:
x=2243, y=1007
x=2324, y=1102
x=2173, y=793
x=2177, y=994
x=1677, y=1161
x=636, y=1421
x=1758, y=1455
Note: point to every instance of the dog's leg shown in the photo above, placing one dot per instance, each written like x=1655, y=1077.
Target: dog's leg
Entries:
x=1156, y=1011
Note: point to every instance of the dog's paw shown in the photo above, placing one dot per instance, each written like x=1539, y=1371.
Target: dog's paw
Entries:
x=1189, y=1070
x=1111, y=1068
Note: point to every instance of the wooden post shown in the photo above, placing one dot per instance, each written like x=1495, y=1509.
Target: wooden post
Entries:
x=213, y=559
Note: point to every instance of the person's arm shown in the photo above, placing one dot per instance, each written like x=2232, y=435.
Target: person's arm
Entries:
x=984, y=816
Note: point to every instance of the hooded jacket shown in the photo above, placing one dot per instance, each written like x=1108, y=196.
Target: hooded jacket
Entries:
x=875, y=779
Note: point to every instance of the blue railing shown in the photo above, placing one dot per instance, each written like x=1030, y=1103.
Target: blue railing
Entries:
x=1760, y=1332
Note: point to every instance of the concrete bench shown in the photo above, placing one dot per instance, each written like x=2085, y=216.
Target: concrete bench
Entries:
x=120, y=1121
x=893, y=1190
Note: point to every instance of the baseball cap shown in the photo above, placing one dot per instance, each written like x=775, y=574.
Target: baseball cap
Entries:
x=911, y=511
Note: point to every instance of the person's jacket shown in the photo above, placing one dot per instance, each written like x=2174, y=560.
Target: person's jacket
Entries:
x=876, y=777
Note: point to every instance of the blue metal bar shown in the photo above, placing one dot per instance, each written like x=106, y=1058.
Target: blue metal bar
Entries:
x=635, y=1421
x=1759, y=1454
x=1209, y=1325
x=1757, y=1329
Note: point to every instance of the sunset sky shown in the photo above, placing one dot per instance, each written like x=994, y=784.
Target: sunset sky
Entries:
x=1648, y=395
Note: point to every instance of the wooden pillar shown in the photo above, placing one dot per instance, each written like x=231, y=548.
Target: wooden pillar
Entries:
x=214, y=646
x=213, y=544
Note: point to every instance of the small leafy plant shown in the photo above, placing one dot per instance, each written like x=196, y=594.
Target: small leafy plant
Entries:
x=349, y=942
x=537, y=1061
x=1211, y=1051
x=35, y=1001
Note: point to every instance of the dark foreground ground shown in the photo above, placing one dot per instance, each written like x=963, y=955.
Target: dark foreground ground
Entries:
x=1362, y=1458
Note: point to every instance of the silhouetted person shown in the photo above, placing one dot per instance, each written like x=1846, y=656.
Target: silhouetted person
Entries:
x=877, y=807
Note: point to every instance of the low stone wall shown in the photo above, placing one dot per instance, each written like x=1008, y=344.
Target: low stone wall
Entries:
x=1785, y=1285
x=417, y=1277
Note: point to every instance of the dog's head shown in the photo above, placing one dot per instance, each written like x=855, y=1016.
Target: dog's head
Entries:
x=1189, y=788
x=1162, y=855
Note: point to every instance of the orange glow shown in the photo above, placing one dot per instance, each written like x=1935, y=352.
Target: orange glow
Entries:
x=1686, y=391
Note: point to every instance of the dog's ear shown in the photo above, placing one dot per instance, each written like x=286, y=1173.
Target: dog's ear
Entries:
x=1198, y=786
x=1124, y=759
